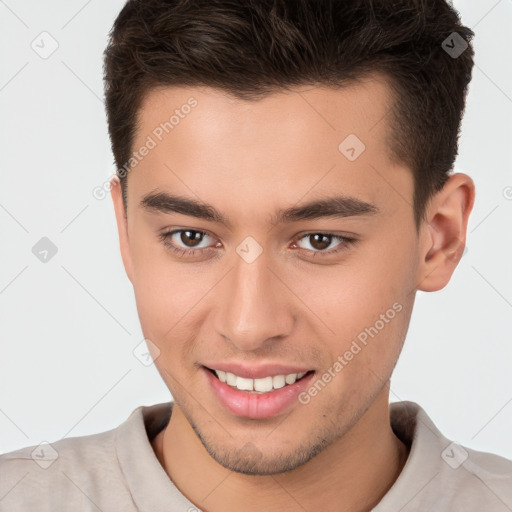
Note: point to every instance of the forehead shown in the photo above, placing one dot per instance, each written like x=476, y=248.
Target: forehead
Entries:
x=308, y=110
x=284, y=146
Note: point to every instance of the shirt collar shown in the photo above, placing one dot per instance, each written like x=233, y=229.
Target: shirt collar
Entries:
x=153, y=491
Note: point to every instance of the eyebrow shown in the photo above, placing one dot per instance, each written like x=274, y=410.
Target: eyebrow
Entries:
x=330, y=207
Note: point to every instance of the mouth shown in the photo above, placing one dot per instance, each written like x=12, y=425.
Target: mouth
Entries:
x=258, y=386
x=262, y=397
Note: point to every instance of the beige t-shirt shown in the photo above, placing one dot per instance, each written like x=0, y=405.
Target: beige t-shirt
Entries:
x=118, y=470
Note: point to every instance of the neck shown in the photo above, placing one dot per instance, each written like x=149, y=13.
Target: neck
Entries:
x=354, y=472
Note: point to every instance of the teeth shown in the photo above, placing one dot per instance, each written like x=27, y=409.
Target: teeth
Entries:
x=244, y=384
x=291, y=378
x=263, y=385
x=278, y=381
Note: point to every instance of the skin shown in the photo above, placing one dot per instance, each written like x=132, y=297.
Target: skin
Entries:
x=249, y=159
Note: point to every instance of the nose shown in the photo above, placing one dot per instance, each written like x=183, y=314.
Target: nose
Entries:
x=254, y=307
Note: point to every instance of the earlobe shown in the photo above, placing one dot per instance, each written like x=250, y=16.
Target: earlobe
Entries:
x=444, y=235
x=122, y=225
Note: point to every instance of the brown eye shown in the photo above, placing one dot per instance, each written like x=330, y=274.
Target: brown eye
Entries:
x=191, y=238
x=186, y=242
x=320, y=241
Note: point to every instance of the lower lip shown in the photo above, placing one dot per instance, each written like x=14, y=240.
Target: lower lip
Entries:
x=257, y=406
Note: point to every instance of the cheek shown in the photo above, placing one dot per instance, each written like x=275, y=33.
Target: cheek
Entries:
x=365, y=301
x=168, y=296
x=156, y=287
x=353, y=295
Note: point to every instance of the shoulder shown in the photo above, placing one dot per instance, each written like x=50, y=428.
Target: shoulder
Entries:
x=73, y=473
x=476, y=478
x=441, y=474
x=62, y=451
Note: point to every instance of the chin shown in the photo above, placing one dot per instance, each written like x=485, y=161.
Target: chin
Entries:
x=248, y=459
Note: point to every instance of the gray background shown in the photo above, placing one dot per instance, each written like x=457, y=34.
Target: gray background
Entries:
x=69, y=326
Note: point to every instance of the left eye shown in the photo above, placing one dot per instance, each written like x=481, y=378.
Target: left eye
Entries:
x=320, y=241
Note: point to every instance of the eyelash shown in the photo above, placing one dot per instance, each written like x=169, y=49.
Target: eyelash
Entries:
x=346, y=242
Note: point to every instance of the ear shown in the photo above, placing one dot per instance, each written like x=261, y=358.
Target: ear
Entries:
x=122, y=225
x=443, y=235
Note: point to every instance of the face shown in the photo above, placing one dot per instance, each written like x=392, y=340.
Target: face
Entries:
x=256, y=281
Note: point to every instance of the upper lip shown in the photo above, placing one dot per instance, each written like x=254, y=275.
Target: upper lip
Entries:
x=256, y=372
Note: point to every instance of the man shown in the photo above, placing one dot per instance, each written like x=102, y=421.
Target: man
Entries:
x=283, y=191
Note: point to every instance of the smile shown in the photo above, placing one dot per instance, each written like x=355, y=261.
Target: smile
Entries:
x=259, y=398
x=262, y=385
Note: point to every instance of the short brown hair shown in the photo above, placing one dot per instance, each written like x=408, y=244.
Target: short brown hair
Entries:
x=251, y=48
